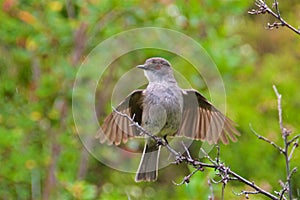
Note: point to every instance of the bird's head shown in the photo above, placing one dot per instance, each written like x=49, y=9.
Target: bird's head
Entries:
x=157, y=70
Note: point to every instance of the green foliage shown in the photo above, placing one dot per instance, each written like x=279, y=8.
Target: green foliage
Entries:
x=40, y=56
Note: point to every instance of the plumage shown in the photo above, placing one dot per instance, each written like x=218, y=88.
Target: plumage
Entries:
x=116, y=128
x=213, y=124
x=164, y=109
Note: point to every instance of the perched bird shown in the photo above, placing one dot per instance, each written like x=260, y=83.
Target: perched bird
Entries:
x=164, y=109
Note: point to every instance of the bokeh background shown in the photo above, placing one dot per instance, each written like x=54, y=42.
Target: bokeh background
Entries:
x=42, y=46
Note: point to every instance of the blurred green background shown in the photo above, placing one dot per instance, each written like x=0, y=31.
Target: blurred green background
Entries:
x=42, y=46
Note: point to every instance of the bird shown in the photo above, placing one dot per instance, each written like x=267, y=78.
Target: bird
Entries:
x=164, y=109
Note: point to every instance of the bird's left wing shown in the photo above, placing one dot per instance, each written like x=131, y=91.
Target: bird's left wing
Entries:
x=117, y=128
x=202, y=121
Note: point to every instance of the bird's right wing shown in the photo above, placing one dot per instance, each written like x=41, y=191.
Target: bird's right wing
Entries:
x=117, y=128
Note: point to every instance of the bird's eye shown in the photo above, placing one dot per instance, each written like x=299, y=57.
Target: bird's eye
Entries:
x=157, y=66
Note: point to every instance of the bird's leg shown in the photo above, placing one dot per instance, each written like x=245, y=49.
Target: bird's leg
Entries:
x=165, y=138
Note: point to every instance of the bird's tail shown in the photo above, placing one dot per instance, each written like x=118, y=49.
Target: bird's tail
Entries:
x=147, y=170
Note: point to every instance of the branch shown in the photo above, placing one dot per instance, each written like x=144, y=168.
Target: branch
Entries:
x=224, y=172
x=294, y=138
x=186, y=179
x=282, y=191
x=211, y=196
x=285, y=133
x=279, y=110
x=246, y=193
x=263, y=8
x=281, y=150
x=295, y=145
x=158, y=140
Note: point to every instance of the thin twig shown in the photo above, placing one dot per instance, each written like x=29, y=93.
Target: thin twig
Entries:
x=212, y=196
x=294, y=138
x=295, y=145
x=228, y=178
x=246, y=193
x=186, y=150
x=253, y=185
x=223, y=191
x=285, y=133
x=186, y=179
x=283, y=191
x=226, y=170
x=279, y=108
x=281, y=150
x=263, y=8
x=294, y=170
x=282, y=194
x=207, y=156
x=218, y=154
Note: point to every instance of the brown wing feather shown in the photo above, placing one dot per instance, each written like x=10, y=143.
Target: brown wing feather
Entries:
x=210, y=124
x=119, y=132
x=116, y=128
x=202, y=125
x=125, y=130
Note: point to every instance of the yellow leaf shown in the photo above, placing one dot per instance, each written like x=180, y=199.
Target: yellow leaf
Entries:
x=55, y=6
x=35, y=116
x=53, y=114
x=30, y=164
x=31, y=45
x=77, y=189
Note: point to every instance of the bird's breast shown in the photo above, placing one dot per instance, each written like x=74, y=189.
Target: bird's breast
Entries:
x=162, y=109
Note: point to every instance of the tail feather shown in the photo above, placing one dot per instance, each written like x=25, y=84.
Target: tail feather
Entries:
x=147, y=170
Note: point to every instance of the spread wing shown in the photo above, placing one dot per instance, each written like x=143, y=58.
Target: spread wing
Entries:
x=116, y=128
x=202, y=121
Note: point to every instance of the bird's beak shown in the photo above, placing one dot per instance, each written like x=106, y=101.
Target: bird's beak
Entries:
x=141, y=67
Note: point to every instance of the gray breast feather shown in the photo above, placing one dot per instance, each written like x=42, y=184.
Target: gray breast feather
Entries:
x=162, y=109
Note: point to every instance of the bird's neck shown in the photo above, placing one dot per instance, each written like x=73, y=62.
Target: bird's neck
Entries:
x=163, y=81
x=168, y=83
x=152, y=78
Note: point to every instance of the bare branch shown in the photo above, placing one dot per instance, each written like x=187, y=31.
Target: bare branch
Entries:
x=224, y=171
x=263, y=8
x=294, y=138
x=218, y=154
x=207, y=156
x=186, y=179
x=281, y=150
x=246, y=193
x=212, y=196
x=279, y=108
x=253, y=185
x=159, y=140
x=282, y=194
x=223, y=191
x=285, y=133
x=295, y=145
x=283, y=191
x=186, y=150
x=294, y=170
